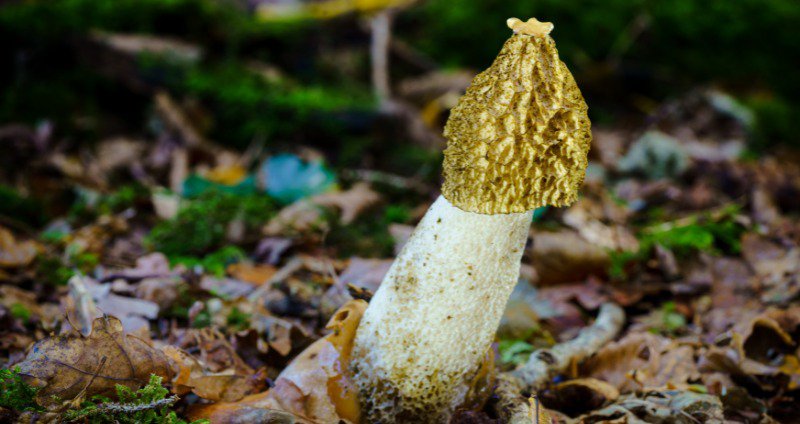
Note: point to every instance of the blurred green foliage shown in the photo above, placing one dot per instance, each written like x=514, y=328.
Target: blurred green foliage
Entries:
x=245, y=105
x=669, y=320
x=656, y=47
x=514, y=352
x=89, y=205
x=20, y=208
x=621, y=51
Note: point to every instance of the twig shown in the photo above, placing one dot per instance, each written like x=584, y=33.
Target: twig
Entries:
x=294, y=265
x=544, y=363
x=126, y=408
x=511, y=406
x=393, y=180
x=381, y=28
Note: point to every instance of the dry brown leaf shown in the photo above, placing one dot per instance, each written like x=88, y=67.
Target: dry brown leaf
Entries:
x=119, y=152
x=642, y=360
x=314, y=386
x=366, y=273
x=777, y=268
x=759, y=348
x=48, y=313
x=192, y=375
x=307, y=214
x=72, y=365
x=14, y=253
x=581, y=395
x=250, y=273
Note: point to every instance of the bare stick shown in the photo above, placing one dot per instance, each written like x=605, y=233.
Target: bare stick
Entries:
x=545, y=363
x=381, y=28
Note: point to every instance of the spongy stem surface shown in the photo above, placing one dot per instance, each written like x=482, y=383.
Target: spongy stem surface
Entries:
x=430, y=323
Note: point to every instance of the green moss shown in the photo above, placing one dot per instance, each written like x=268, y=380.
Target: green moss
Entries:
x=202, y=319
x=668, y=320
x=20, y=311
x=214, y=263
x=200, y=226
x=238, y=319
x=148, y=405
x=721, y=235
x=15, y=394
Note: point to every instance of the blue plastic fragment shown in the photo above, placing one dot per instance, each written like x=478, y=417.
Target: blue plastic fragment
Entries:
x=288, y=178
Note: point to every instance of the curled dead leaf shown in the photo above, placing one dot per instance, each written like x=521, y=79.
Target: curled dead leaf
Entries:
x=314, y=386
x=580, y=395
x=192, y=375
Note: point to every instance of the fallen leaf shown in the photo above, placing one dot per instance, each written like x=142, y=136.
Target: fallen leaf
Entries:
x=577, y=396
x=250, y=273
x=660, y=407
x=71, y=365
x=642, y=360
x=307, y=214
x=119, y=152
x=132, y=312
x=229, y=288
x=14, y=253
x=193, y=375
x=15, y=297
x=227, y=174
x=314, y=386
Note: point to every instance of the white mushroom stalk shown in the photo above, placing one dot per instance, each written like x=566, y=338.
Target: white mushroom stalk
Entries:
x=517, y=140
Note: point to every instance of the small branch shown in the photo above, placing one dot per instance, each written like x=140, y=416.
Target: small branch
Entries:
x=545, y=363
x=511, y=406
x=381, y=28
x=126, y=408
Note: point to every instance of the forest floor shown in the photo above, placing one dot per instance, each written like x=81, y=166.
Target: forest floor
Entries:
x=161, y=251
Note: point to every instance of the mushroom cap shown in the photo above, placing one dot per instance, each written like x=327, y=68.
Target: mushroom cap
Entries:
x=518, y=138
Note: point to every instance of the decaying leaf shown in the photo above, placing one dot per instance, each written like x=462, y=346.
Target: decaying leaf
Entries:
x=14, y=253
x=659, y=407
x=192, y=375
x=580, y=395
x=315, y=385
x=68, y=366
x=255, y=274
x=307, y=214
x=760, y=349
x=642, y=360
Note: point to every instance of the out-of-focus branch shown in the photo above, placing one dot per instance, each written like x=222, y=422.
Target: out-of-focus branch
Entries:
x=381, y=28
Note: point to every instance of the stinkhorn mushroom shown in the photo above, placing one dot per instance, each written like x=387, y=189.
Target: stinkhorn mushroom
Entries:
x=517, y=140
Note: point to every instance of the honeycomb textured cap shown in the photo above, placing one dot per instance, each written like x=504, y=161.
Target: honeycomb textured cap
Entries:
x=518, y=138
